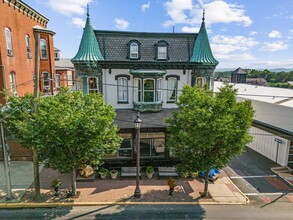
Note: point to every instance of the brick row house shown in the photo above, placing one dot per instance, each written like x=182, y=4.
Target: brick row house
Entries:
x=19, y=23
x=145, y=72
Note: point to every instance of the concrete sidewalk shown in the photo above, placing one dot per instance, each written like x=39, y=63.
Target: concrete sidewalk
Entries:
x=285, y=173
x=22, y=176
x=108, y=191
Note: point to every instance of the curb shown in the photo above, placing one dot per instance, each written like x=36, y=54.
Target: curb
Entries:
x=52, y=205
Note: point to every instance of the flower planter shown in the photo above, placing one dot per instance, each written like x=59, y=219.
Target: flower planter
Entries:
x=103, y=175
x=114, y=174
x=150, y=175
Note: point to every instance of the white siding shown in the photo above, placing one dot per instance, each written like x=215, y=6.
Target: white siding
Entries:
x=264, y=143
x=110, y=87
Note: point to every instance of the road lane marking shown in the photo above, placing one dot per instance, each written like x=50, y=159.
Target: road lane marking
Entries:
x=266, y=194
x=247, y=177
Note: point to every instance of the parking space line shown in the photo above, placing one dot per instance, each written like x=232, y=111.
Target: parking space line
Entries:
x=247, y=177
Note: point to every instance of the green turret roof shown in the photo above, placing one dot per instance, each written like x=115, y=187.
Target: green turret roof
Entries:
x=202, y=52
x=89, y=50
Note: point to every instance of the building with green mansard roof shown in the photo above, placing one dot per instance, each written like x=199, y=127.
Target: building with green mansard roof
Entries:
x=146, y=72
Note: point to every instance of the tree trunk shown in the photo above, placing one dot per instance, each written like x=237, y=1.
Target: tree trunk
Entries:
x=73, y=182
x=206, y=184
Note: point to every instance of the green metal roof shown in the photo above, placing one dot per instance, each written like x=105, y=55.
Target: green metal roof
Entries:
x=89, y=48
x=202, y=52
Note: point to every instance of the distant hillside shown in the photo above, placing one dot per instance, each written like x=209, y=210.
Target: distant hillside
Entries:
x=276, y=70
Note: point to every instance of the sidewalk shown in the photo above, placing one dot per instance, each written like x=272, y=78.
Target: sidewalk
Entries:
x=284, y=173
x=108, y=191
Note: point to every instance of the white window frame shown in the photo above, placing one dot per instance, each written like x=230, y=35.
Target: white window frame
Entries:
x=133, y=50
x=44, y=48
x=159, y=90
x=8, y=41
x=122, y=89
x=92, y=90
x=57, y=81
x=162, y=52
x=137, y=90
x=200, y=82
x=144, y=90
x=172, y=84
x=12, y=81
x=46, y=82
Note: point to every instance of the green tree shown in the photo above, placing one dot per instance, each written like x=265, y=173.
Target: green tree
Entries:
x=70, y=129
x=209, y=129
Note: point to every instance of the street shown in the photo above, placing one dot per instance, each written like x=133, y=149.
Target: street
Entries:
x=251, y=173
x=274, y=211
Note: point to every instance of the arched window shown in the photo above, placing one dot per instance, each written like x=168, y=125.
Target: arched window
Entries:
x=8, y=41
x=44, y=52
x=93, y=84
x=12, y=80
x=28, y=46
x=134, y=49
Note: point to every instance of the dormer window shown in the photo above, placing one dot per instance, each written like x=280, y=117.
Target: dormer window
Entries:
x=162, y=50
x=134, y=50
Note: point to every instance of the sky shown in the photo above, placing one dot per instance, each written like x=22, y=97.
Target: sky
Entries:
x=242, y=33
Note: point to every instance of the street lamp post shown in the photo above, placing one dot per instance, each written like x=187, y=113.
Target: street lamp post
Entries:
x=137, y=124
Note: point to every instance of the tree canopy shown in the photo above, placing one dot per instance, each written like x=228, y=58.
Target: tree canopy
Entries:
x=209, y=128
x=68, y=130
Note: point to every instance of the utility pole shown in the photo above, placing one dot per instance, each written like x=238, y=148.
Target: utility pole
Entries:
x=36, y=96
x=6, y=163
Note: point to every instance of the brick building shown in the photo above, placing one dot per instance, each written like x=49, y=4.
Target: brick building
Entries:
x=19, y=23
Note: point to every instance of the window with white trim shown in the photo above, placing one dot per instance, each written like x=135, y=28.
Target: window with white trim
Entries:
x=93, y=84
x=148, y=90
x=133, y=50
x=57, y=81
x=172, y=89
x=12, y=80
x=46, y=82
x=44, y=52
x=200, y=82
x=122, y=83
x=137, y=90
x=28, y=46
x=159, y=90
x=8, y=41
x=162, y=52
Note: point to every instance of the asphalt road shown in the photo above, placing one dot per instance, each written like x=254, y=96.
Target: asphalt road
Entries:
x=251, y=173
x=274, y=211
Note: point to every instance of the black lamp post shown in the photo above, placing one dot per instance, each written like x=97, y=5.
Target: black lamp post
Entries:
x=137, y=124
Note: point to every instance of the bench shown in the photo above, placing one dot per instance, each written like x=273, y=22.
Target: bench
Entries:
x=167, y=171
x=129, y=172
